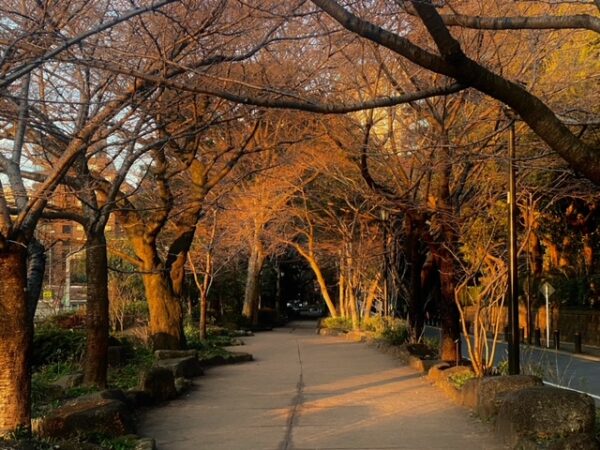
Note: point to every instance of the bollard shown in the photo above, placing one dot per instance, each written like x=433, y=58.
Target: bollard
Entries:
x=556, y=340
x=577, y=342
x=506, y=335
x=521, y=335
x=538, y=337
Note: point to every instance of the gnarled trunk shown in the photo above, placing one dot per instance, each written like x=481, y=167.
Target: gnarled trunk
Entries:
x=166, y=314
x=16, y=331
x=97, y=318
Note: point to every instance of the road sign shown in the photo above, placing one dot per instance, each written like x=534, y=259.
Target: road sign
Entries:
x=547, y=289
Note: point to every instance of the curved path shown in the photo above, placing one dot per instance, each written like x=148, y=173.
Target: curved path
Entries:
x=305, y=391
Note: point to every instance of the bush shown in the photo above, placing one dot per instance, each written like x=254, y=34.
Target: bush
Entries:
x=396, y=334
x=460, y=379
x=126, y=377
x=337, y=323
x=211, y=346
x=57, y=345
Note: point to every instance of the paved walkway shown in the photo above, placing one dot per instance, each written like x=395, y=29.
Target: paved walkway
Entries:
x=313, y=392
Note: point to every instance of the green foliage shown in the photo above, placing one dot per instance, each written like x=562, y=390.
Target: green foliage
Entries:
x=396, y=333
x=337, y=323
x=460, y=379
x=212, y=345
x=110, y=442
x=432, y=343
x=20, y=441
x=572, y=290
x=127, y=377
x=57, y=345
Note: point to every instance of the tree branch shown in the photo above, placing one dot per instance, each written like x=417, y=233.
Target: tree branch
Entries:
x=27, y=68
x=577, y=21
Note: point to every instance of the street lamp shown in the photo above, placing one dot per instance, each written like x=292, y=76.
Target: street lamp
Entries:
x=513, y=304
x=384, y=214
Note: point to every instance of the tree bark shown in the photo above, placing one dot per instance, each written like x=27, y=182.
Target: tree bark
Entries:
x=314, y=265
x=166, y=315
x=450, y=345
x=36, y=266
x=416, y=261
x=16, y=334
x=97, y=317
x=252, y=292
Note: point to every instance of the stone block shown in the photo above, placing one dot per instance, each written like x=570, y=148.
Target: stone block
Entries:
x=174, y=354
x=158, y=383
x=188, y=367
x=110, y=417
x=69, y=381
x=492, y=391
x=547, y=417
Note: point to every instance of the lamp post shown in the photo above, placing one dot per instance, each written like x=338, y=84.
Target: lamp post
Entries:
x=513, y=304
x=384, y=214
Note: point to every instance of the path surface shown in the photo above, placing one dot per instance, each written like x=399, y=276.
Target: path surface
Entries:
x=313, y=392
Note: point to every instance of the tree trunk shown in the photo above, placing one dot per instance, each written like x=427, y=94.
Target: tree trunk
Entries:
x=166, y=315
x=97, y=318
x=252, y=292
x=416, y=261
x=36, y=266
x=16, y=332
x=444, y=254
x=314, y=265
x=450, y=345
x=203, y=314
x=342, y=294
x=366, y=313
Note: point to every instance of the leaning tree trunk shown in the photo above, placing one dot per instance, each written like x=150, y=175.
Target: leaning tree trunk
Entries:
x=16, y=332
x=166, y=314
x=97, y=318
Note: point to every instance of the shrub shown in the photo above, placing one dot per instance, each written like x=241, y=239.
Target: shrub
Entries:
x=395, y=333
x=126, y=377
x=460, y=379
x=337, y=323
x=54, y=345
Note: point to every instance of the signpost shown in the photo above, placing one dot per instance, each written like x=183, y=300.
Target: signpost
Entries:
x=547, y=289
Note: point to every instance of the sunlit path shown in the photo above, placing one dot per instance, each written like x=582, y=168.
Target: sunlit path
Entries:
x=310, y=392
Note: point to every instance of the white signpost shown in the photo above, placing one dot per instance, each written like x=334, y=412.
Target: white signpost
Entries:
x=547, y=289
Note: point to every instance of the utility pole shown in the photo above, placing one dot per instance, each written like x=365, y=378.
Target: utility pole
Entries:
x=513, y=304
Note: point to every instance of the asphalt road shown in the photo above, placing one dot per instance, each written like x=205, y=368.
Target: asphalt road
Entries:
x=559, y=368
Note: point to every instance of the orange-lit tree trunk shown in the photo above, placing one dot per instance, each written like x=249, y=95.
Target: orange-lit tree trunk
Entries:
x=166, y=315
x=309, y=256
x=16, y=331
x=252, y=292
